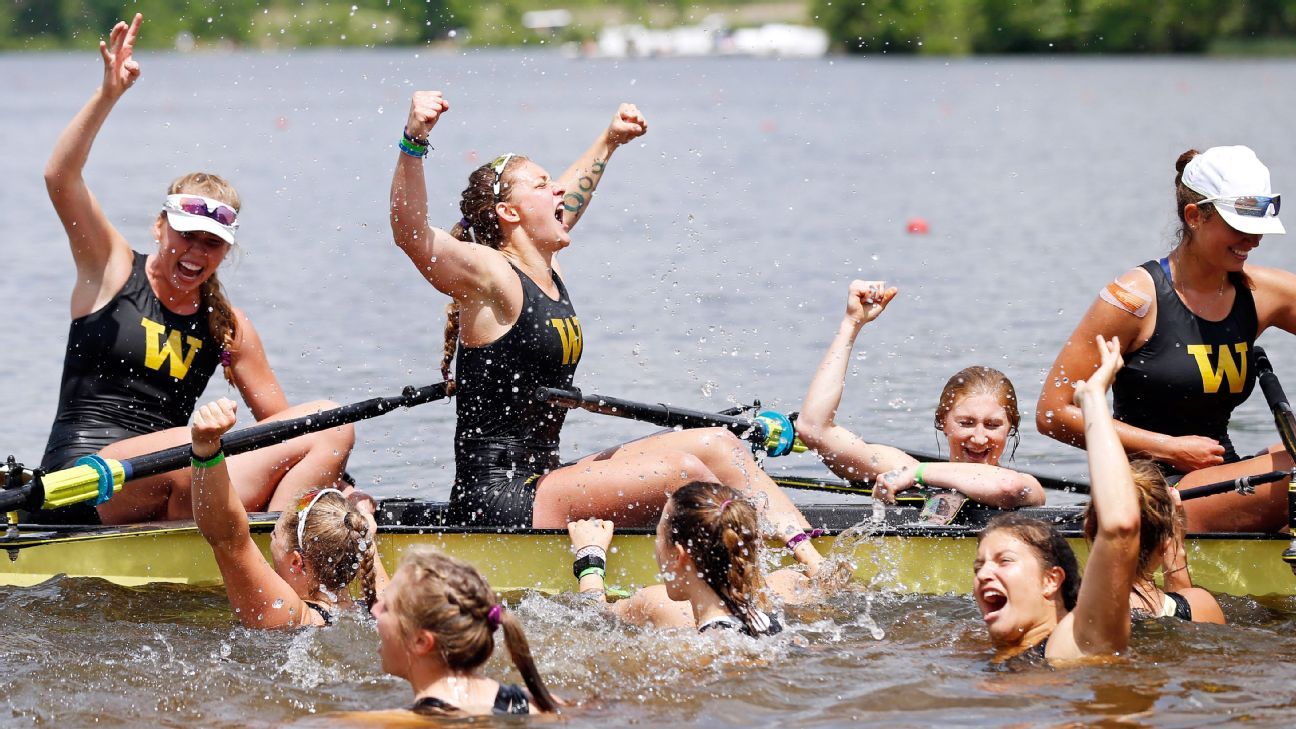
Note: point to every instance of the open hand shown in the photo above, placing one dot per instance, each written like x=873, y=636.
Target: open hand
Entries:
x=867, y=299
x=627, y=124
x=426, y=108
x=1100, y=381
x=210, y=422
x=121, y=70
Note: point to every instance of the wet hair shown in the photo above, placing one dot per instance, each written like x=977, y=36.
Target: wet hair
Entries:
x=1156, y=513
x=1185, y=196
x=719, y=531
x=450, y=598
x=1049, y=546
x=979, y=380
x=339, y=545
x=220, y=314
x=480, y=224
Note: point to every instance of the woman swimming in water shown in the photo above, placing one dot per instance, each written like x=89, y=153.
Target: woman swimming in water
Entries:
x=1161, y=546
x=515, y=329
x=977, y=413
x=1026, y=580
x=707, y=549
x=436, y=626
x=317, y=549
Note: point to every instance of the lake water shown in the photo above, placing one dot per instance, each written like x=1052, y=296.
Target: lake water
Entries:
x=710, y=270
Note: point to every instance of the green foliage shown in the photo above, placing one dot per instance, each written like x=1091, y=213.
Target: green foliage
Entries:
x=952, y=27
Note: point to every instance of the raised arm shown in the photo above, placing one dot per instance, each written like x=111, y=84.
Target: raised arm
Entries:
x=1100, y=622
x=1059, y=418
x=101, y=254
x=583, y=176
x=845, y=453
x=259, y=596
x=456, y=268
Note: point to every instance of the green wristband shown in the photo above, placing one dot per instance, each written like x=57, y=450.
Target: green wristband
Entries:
x=592, y=571
x=209, y=463
x=918, y=474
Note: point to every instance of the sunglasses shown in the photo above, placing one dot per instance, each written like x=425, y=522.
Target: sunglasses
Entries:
x=498, y=168
x=204, y=206
x=1254, y=206
x=304, y=505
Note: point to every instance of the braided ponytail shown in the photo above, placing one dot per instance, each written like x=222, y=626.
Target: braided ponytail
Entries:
x=451, y=344
x=520, y=651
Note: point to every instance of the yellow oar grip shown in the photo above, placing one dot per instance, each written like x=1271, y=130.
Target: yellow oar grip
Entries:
x=80, y=483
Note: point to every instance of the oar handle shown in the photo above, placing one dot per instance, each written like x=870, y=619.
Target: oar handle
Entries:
x=104, y=476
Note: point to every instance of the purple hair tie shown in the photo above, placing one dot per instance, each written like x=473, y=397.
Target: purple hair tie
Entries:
x=495, y=616
x=226, y=359
x=725, y=503
x=464, y=223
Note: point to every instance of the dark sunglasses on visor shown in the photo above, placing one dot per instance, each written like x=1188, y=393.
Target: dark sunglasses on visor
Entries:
x=206, y=207
x=1253, y=206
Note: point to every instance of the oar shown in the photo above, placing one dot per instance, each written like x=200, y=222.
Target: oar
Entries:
x=99, y=478
x=1286, y=422
x=769, y=430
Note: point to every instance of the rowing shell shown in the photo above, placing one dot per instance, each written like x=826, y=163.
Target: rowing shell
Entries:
x=891, y=549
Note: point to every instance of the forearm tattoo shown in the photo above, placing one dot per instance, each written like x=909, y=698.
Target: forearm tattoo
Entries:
x=574, y=201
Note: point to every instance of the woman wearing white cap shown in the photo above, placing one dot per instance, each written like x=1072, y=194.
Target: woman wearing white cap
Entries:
x=148, y=331
x=1188, y=324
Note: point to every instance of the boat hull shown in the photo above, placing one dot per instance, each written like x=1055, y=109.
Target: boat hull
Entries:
x=891, y=553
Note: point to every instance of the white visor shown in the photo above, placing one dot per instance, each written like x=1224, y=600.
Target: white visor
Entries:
x=185, y=222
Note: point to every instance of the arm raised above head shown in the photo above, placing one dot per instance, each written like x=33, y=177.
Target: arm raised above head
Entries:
x=456, y=268
x=583, y=176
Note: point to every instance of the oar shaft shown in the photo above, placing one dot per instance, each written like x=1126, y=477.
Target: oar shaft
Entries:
x=1241, y=484
x=666, y=416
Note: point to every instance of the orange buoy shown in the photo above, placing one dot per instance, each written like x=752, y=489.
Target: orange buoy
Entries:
x=918, y=225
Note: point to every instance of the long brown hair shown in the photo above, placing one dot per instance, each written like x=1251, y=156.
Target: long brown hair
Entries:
x=339, y=545
x=480, y=224
x=220, y=314
x=1157, y=515
x=718, y=530
x=450, y=598
x=1185, y=196
x=979, y=380
x=1049, y=546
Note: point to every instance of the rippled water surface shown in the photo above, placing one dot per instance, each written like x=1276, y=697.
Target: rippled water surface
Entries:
x=710, y=270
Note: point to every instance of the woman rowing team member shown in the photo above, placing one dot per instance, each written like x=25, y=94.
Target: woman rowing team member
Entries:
x=1189, y=323
x=148, y=331
x=317, y=549
x=1161, y=546
x=436, y=623
x=1027, y=584
x=707, y=549
x=515, y=330
x=977, y=413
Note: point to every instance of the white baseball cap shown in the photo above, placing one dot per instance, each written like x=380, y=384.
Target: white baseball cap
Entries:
x=1235, y=181
x=195, y=212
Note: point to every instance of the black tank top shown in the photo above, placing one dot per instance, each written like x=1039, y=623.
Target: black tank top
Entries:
x=495, y=396
x=132, y=367
x=1192, y=372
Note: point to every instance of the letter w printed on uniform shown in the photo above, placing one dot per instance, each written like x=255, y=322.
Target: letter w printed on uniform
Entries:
x=569, y=330
x=1212, y=374
x=164, y=346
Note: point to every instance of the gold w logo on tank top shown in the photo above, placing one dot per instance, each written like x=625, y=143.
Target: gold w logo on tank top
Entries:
x=1213, y=374
x=164, y=346
x=569, y=330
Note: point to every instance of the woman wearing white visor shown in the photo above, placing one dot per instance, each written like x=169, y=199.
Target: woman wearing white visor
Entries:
x=148, y=331
x=1188, y=324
